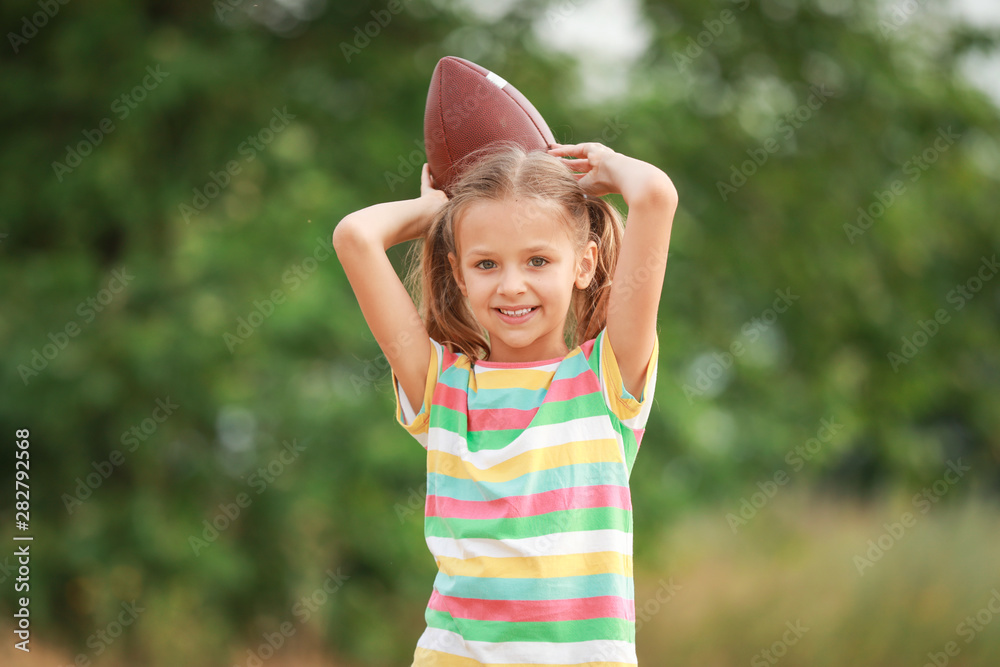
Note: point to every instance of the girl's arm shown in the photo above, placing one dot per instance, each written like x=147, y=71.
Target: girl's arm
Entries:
x=638, y=280
x=360, y=241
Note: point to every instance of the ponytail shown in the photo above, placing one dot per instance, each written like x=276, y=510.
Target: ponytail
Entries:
x=590, y=305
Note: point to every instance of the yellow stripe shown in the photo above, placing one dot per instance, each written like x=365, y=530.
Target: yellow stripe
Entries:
x=521, y=378
x=625, y=408
x=423, y=656
x=432, y=373
x=541, y=567
x=420, y=422
x=584, y=451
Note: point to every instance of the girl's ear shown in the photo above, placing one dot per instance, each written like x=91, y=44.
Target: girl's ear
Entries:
x=587, y=266
x=457, y=273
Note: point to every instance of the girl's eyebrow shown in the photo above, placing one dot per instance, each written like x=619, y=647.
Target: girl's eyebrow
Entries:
x=535, y=248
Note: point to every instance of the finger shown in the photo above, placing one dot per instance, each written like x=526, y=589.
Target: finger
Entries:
x=567, y=149
x=579, y=164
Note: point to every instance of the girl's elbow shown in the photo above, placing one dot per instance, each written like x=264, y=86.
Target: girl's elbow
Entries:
x=344, y=233
x=663, y=192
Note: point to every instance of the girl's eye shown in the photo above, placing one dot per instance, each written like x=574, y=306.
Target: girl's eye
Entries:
x=536, y=262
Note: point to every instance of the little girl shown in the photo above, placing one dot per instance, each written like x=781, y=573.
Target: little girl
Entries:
x=536, y=331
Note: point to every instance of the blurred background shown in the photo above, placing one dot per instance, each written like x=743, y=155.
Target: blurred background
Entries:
x=216, y=476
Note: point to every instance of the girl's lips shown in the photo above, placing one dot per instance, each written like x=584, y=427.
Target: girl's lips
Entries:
x=516, y=320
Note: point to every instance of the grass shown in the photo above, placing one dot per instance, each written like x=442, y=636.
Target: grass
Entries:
x=896, y=601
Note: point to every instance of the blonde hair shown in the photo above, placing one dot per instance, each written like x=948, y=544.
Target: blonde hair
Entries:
x=498, y=173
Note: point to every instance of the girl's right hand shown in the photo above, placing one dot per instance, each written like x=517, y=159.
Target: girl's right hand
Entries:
x=427, y=189
x=389, y=223
x=431, y=200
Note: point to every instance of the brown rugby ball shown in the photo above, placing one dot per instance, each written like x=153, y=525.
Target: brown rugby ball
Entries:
x=470, y=107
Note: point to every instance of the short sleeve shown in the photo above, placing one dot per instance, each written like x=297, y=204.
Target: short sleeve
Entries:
x=632, y=411
x=417, y=422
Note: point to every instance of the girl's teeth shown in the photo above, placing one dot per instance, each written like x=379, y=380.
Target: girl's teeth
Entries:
x=517, y=313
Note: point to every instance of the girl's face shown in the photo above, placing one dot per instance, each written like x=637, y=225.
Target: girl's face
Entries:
x=516, y=255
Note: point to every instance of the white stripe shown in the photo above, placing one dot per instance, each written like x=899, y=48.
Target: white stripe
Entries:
x=554, y=544
x=534, y=437
x=496, y=80
x=421, y=438
x=409, y=414
x=548, y=368
x=532, y=653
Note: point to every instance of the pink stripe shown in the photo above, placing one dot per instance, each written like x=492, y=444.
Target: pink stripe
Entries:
x=449, y=397
x=448, y=358
x=576, y=497
x=527, y=611
x=496, y=419
x=566, y=389
x=638, y=436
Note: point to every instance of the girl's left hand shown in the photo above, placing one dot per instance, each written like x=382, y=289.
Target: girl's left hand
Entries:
x=592, y=159
x=603, y=171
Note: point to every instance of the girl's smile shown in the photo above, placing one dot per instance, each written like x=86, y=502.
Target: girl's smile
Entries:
x=516, y=315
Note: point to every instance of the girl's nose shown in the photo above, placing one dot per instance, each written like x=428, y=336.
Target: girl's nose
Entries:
x=511, y=282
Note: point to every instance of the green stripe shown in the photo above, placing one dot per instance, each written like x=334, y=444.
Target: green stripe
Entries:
x=557, y=412
x=540, y=631
x=590, y=518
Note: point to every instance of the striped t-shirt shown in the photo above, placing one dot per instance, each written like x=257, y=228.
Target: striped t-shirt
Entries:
x=528, y=511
